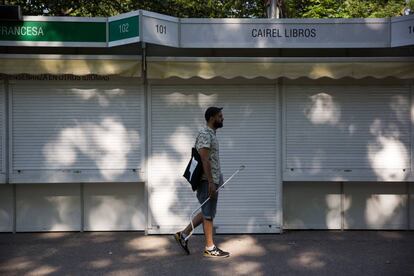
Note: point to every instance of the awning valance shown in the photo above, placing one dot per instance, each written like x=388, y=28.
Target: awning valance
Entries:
x=277, y=68
x=71, y=65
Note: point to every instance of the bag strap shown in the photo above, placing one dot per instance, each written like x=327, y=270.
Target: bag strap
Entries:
x=196, y=140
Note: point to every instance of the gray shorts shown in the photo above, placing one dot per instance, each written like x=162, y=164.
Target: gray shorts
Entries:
x=209, y=209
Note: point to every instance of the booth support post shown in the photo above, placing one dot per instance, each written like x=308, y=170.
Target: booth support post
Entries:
x=7, y=151
x=147, y=129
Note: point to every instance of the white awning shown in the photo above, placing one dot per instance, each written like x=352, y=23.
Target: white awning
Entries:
x=273, y=68
x=72, y=65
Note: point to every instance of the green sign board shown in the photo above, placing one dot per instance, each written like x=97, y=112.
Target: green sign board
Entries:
x=58, y=31
x=124, y=28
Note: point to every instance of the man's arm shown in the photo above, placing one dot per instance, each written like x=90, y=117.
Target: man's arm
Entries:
x=204, y=154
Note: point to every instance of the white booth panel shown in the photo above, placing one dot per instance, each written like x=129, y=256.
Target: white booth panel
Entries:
x=347, y=132
x=70, y=132
x=6, y=208
x=250, y=203
x=48, y=207
x=114, y=206
x=311, y=205
x=375, y=205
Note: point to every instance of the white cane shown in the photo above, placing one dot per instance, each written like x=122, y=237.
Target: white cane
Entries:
x=221, y=186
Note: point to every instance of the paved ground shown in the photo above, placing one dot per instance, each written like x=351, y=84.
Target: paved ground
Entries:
x=133, y=253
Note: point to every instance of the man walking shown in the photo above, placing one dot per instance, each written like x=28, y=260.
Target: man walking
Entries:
x=208, y=147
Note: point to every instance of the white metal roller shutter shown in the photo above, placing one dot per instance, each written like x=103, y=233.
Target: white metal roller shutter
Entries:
x=347, y=132
x=251, y=202
x=77, y=132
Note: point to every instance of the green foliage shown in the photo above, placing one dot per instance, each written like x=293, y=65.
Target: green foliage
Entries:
x=411, y=5
x=323, y=9
x=377, y=8
x=217, y=8
x=178, y=8
x=345, y=8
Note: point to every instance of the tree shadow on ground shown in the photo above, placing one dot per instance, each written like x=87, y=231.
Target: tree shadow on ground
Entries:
x=132, y=253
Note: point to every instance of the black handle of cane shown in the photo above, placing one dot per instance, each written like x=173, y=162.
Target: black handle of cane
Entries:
x=202, y=204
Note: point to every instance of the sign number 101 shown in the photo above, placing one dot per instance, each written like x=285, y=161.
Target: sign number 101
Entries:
x=161, y=29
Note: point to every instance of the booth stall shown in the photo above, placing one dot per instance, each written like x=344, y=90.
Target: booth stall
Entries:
x=98, y=117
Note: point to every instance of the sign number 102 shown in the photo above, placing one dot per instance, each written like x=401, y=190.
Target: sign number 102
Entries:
x=124, y=28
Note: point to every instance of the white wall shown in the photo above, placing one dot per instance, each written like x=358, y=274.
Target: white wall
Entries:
x=114, y=206
x=48, y=207
x=311, y=205
x=6, y=208
x=57, y=207
x=375, y=205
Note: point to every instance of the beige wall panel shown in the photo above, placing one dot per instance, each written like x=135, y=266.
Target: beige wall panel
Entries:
x=375, y=205
x=6, y=208
x=114, y=206
x=48, y=207
x=311, y=205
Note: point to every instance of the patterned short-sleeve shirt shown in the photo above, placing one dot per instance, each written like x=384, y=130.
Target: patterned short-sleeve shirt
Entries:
x=207, y=138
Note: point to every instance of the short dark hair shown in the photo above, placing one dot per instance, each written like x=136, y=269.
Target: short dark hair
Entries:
x=211, y=112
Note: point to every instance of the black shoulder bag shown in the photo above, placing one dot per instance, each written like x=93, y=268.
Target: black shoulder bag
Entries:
x=194, y=169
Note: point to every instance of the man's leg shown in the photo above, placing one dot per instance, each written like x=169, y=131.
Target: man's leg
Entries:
x=208, y=232
x=180, y=236
x=207, y=225
x=197, y=220
x=211, y=249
